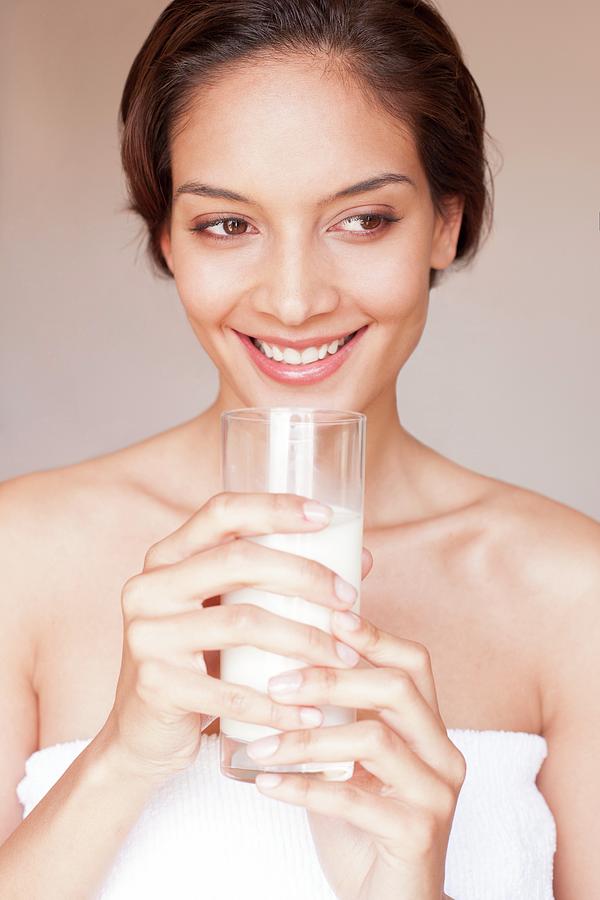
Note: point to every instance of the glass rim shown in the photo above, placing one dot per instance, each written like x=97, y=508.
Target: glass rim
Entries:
x=262, y=414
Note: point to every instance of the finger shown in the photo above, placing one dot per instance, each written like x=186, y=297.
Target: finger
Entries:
x=381, y=648
x=366, y=563
x=173, y=690
x=388, y=821
x=392, y=693
x=228, y=515
x=232, y=566
x=182, y=638
x=403, y=774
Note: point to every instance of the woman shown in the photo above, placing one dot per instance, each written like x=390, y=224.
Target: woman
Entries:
x=305, y=170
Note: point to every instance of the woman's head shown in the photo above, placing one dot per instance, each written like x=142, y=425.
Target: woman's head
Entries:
x=287, y=103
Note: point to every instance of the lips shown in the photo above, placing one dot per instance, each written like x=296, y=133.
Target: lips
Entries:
x=306, y=373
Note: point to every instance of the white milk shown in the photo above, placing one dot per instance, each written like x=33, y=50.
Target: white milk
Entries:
x=338, y=546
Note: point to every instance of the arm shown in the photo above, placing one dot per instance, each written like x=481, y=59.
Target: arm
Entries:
x=63, y=848
x=75, y=831
x=569, y=778
x=65, y=844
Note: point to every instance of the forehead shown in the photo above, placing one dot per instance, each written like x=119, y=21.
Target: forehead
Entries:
x=291, y=124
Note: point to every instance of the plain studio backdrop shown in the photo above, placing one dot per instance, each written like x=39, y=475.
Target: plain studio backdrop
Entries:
x=95, y=352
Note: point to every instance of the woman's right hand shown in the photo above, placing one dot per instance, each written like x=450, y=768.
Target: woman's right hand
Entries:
x=164, y=696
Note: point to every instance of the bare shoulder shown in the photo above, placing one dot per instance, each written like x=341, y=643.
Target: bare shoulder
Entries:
x=552, y=547
x=46, y=516
x=548, y=554
x=56, y=522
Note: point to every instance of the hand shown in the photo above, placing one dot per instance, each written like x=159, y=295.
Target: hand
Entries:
x=395, y=813
x=164, y=696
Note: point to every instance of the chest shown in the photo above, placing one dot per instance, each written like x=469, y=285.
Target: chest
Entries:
x=479, y=640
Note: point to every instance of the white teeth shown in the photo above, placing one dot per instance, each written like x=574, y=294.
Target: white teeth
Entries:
x=292, y=356
x=310, y=355
x=296, y=357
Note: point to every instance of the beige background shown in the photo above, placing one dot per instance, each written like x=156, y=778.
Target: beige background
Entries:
x=95, y=353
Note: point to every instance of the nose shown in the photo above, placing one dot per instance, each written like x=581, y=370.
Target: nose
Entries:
x=296, y=283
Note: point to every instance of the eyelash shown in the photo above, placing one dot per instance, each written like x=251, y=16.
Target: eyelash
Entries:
x=199, y=229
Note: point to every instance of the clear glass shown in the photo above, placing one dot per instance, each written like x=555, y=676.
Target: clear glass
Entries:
x=317, y=453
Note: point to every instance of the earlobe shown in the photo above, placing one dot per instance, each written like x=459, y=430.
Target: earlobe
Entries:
x=447, y=230
x=165, y=246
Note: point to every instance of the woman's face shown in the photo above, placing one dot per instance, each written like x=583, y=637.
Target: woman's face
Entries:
x=290, y=262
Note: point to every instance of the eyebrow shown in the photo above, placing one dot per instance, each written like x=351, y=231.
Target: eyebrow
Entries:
x=369, y=184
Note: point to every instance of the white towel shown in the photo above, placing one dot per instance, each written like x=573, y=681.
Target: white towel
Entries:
x=206, y=837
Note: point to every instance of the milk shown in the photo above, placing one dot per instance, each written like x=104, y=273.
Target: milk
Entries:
x=337, y=546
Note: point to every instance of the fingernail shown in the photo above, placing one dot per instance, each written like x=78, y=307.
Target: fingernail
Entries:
x=345, y=592
x=346, y=620
x=316, y=512
x=311, y=716
x=283, y=684
x=263, y=747
x=346, y=653
x=267, y=780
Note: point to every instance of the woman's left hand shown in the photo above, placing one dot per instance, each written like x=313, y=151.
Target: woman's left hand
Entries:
x=396, y=811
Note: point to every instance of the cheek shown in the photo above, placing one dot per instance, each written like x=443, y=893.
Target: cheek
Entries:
x=394, y=288
x=205, y=286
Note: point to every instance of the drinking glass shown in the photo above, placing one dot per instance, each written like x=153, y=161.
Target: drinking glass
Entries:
x=318, y=454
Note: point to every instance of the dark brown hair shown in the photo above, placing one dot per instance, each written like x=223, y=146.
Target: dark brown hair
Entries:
x=400, y=53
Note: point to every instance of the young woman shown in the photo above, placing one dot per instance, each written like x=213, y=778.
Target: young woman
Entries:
x=305, y=170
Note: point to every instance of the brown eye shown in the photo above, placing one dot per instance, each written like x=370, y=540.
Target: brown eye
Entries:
x=231, y=226
x=368, y=222
x=238, y=226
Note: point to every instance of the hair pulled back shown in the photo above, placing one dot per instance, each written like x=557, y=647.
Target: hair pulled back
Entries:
x=401, y=53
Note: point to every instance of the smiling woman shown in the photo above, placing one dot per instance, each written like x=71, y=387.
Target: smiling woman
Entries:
x=306, y=171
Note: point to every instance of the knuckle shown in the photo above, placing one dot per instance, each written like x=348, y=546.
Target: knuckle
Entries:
x=154, y=557
x=422, y=658
x=278, y=716
x=378, y=736
x=136, y=633
x=351, y=796
x=219, y=504
x=329, y=678
x=305, y=742
x=372, y=637
x=236, y=702
x=316, y=574
x=281, y=505
x=132, y=596
x=459, y=769
x=244, y=617
x=402, y=683
x=234, y=555
x=316, y=640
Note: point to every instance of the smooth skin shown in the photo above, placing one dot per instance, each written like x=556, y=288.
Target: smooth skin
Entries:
x=480, y=609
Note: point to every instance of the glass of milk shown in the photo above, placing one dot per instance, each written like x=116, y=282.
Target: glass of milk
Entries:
x=319, y=454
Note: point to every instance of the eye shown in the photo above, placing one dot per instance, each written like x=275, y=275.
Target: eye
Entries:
x=371, y=221
x=234, y=227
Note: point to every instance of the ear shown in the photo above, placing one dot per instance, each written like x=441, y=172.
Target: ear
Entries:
x=165, y=244
x=446, y=231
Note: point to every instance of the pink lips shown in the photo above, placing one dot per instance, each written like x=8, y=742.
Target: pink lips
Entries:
x=301, y=374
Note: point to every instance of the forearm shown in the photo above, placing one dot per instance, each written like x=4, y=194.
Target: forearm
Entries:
x=65, y=845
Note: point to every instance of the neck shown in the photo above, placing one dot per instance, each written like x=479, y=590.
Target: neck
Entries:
x=398, y=468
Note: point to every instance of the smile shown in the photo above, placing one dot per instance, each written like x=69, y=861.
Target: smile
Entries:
x=308, y=366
